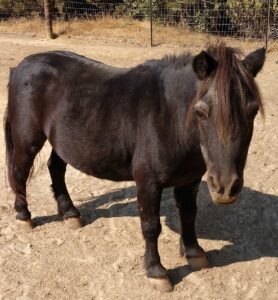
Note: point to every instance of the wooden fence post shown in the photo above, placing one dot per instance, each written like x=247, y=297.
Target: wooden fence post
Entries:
x=48, y=19
x=267, y=26
x=151, y=21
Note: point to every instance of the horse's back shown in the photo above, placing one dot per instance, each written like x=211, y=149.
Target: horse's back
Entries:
x=56, y=81
x=66, y=67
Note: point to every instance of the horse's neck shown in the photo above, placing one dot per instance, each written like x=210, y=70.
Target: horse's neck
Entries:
x=180, y=87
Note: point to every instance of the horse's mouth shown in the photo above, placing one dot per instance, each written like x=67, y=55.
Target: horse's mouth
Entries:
x=222, y=199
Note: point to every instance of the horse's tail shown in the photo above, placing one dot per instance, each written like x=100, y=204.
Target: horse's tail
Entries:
x=9, y=148
x=9, y=143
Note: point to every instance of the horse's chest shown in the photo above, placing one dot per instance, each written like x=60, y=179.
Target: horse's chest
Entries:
x=188, y=170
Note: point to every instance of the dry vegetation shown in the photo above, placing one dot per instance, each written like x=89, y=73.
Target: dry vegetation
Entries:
x=123, y=30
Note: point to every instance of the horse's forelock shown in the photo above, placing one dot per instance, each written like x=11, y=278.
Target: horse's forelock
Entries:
x=229, y=77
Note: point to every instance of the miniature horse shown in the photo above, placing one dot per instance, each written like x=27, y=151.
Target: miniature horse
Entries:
x=162, y=123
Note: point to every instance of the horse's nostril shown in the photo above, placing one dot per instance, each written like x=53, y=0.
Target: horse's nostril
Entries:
x=215, y=186
x=235, y=187
x=212, y=182
x=221, y=190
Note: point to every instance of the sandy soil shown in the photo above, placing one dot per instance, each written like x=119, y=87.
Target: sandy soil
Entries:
x=103, y=260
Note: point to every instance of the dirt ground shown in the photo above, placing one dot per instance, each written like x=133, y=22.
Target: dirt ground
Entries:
x=104, y=259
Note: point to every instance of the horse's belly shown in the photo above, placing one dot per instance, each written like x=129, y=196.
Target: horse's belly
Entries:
x=104, y=164
x=111, y=174
x=116, y=171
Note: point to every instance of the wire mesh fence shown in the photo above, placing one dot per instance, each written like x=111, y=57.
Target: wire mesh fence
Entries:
x=233, y=18
x=16, y=9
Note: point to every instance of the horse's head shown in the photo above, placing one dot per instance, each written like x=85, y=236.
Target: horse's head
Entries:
x=227, y=102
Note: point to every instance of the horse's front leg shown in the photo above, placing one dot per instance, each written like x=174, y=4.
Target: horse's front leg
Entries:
x=186, y=203
x=149, y=196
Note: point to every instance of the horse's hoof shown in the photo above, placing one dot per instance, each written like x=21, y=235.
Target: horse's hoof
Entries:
x=73, y=223
x=198, y=262
x=163, y=285
x=25, y=224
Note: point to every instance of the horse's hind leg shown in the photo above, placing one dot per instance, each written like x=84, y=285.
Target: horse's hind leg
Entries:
x=21, y=158
x=186, y=202
x=57, y=170
x=22, y=164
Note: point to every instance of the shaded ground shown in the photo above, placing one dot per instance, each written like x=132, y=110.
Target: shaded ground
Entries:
x=103, y=260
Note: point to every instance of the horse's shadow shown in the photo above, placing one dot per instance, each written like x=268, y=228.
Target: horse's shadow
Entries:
x=250, y=226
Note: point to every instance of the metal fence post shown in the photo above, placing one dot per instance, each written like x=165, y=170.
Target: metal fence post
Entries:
x=48, y=19
x=151, y=20
x=267, y=25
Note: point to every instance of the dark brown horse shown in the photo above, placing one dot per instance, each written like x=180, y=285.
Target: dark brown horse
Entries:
x=163, y=123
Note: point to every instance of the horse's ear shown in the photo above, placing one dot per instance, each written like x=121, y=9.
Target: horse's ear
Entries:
x=203, y=64
x=254, y=61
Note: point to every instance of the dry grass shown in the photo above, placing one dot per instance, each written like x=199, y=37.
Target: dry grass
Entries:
x=22, y=25
x=108, y=29
x=124, y=30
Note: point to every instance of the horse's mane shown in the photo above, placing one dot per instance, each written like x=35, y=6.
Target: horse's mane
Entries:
x=172, y=61
x=230, y=76
x=177, y=61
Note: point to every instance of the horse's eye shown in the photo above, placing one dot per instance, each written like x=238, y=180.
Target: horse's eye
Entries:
x=200, y=114
x=202, y=110
x=252, y=108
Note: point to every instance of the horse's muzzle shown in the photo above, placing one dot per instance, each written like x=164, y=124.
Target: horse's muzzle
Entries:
x=222, y=199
